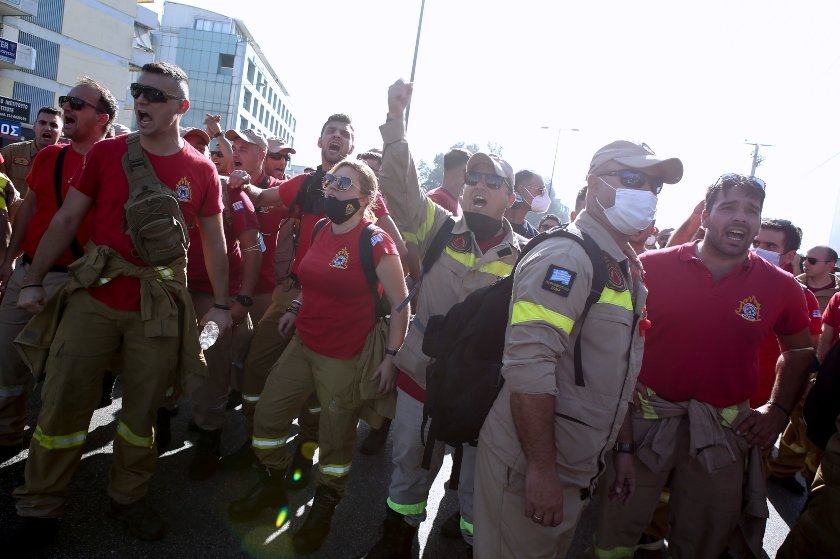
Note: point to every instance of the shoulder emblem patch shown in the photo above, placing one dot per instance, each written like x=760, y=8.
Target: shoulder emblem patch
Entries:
x=615, y=279
x=375, y=239
x=559, y=280
x=183, y=191
x=238, y=206
x=749, y=309
x=816, y=313
x=460, y=243
x=21, y=161
x=340, y=259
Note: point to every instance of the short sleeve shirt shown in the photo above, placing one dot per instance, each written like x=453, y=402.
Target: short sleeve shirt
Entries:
x=831, y=316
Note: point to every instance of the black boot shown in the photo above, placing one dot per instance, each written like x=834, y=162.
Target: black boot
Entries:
x=268, y=492
x=205, y=461
x=397, y=538
x=315, y=530
x=240, y=459
x=375, y=440
x=163, y=430
x=300, y=470
x=106, y=399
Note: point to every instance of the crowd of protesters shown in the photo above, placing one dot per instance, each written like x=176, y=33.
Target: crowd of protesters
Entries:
x=662, y=390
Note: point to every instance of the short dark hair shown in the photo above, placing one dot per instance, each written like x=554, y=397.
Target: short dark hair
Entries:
x=791, y=233
x=522, y=176
x=337, y=117
x=733, y=180
x=456, y=158
x=107, y=102
x=370, y=154
x=830, y=253
x=580, y=200
x=50, y=111
x=546, y=217
x=171, y=71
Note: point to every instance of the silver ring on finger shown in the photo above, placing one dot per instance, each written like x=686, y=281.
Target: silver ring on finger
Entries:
x=537, y=518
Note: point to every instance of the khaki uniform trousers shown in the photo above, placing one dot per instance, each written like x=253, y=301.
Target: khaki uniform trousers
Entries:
x=267, y=346
x=703, y=511
x=15, y=379
x=796, y=451
x=501, y=528
x=816, y=535
x=292, y=380
x=89, y=334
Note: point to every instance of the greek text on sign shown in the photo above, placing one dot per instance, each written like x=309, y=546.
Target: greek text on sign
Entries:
x=12, y=109
x=10, y=130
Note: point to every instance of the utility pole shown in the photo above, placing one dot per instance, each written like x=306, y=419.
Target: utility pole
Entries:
x=416, y=50
x=756, y=158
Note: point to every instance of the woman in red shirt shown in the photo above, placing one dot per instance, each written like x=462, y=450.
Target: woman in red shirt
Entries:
x=333, y=318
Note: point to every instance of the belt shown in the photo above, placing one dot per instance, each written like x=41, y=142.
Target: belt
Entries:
x=59, y=269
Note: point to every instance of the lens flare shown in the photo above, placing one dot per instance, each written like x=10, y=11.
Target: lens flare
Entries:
x=307, y=449
x=282, y=517
x=297, y=475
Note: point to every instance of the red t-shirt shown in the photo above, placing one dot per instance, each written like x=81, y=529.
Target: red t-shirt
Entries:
x=191, y=175
x=238, y=216
x=769, y=353
x=704, y=337
x=338, y=308
x=288, y=192
x=445, y=200
x=41, y=180
x=831, y=316
x=270, y=219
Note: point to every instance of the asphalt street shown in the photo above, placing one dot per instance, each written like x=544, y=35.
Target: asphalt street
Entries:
x=197, y=522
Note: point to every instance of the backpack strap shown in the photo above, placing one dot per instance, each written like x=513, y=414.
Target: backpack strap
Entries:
x=436, y=246
x=311, y=182
x=317, y=229
x=58, y=175
x=137, y=167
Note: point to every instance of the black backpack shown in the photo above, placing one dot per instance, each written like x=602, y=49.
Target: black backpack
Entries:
x=467, y=344
x=822, y=406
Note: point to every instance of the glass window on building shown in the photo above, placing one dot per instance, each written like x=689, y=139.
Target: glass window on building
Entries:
x=246, y=100
x=226, y=64
x=243, y=123
x=251, y=70
x=255, y=107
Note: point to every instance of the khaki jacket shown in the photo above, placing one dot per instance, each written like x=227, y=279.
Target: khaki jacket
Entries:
x=823, y=295
x=165, y=308
x=461, y=268
x=17, y=162
x=550, y=289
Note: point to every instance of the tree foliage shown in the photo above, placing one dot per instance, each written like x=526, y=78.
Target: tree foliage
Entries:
x=431, y=176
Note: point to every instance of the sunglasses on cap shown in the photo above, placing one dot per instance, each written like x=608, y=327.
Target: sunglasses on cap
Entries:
x=813, y=261
x=735, y=179
x=341, y=183
x=77, y=103
x=491, y=181
x=152, y=94
x=278, y=156
x=631, y=178
x=215, y=153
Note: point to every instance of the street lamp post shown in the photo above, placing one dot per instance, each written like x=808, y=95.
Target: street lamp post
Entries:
x=556, y=149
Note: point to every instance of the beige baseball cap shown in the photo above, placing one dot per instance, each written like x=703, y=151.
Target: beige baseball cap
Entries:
x=502, y=167
x=638, y=156
x=276, y=145
x=250, y=135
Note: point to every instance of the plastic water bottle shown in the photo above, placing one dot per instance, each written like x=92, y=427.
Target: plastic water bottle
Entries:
x=209, y=335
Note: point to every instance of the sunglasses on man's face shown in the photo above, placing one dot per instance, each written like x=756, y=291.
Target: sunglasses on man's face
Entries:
x=278, y=156
x=631, y=178
x=152, y=94
x=813, y=261
x=491, y=181
x=215, y=154
x=77, y=103
x=735, y=179
x=341, y=183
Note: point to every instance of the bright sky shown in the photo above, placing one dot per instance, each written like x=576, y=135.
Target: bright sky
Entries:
x=691, y=80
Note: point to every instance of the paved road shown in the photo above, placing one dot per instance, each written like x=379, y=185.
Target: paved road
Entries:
x=198, y=526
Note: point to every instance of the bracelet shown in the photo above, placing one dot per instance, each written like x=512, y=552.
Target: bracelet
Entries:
x=296, y=303
x=780, y=406
x=221, y=307
x=391, y=352
x=32, y=285
x=627, y=448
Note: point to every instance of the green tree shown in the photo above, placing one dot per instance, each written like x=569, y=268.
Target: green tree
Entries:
x=431, y=176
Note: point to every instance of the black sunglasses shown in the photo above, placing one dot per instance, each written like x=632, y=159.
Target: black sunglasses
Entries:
x=813, y=261
x=735, y=179
x=215, y=154
x=77, y=103
x=631, y=178
x=491, y=181
x=278, y=156
x=152, y=94
x=341, y=183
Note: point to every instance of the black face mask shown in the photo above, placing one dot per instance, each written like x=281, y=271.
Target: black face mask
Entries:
x=340, y=211
x=482, y=226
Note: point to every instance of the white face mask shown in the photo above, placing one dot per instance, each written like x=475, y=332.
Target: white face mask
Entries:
x=540, y=203
x=632, y=211
x=768, y=255
x=650, y=241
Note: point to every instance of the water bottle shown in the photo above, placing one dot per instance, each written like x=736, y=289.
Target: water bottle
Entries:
x=209, y=335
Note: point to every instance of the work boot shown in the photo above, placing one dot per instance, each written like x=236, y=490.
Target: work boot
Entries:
x=106, y=399
x=315, y=530
x=375, y=440
x=205, y=461
x=397, y=538
x=141, y=519
x=300, y=470
x=234, y=400
x=240, y=459
x=7, y=452
x=451, y=527
x=163, y=430
x=268, y=492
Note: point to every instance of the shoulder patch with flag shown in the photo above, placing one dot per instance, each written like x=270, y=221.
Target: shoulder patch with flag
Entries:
x=559, y=280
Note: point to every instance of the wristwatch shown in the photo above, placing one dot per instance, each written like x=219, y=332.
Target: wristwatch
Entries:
x=627, y=448
x=244, y=300
x=391, y=352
